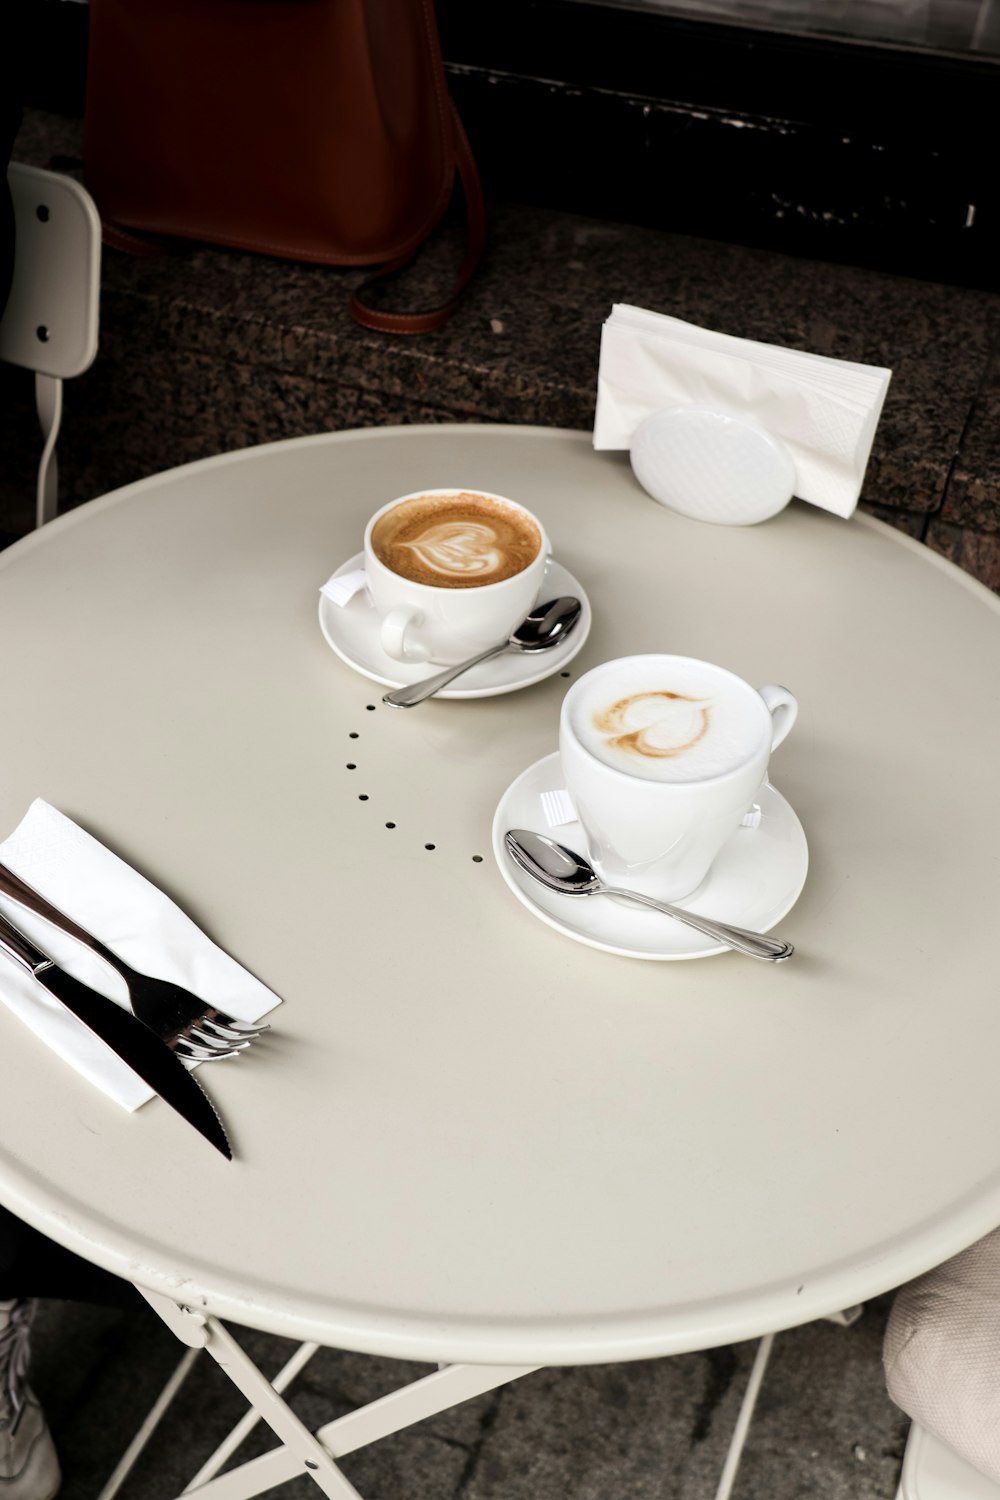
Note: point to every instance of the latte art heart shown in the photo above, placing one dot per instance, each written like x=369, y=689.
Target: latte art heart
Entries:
x=462, y=540
x=667, y=719
x=658, y=725
x=457, y=548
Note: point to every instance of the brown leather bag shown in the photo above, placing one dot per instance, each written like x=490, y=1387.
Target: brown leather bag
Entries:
x=314, y=130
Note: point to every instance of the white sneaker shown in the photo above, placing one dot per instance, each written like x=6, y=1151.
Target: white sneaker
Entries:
x=29, y=1468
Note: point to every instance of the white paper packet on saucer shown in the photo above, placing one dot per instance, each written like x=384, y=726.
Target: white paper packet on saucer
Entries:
x=824, y=411
x=342, y=587
x=132, y=917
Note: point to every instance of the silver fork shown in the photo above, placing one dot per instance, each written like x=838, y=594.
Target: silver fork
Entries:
x=192, y=1027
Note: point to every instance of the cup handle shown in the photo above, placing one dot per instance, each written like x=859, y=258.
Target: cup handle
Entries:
x=783, y=708
x=393, y=633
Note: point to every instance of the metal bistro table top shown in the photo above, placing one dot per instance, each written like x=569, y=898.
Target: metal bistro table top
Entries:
x=469, y=1137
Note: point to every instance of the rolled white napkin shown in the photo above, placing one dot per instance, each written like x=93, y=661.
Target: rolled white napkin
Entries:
x=132, y=917
x=825, y=411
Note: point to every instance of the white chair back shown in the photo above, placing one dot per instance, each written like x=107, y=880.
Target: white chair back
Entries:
x=50, y=324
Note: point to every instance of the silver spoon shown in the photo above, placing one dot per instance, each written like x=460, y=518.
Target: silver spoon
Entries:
x=546, y=626
x=563, y=870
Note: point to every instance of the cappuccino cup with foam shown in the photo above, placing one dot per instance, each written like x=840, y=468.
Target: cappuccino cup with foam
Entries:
x=451, y=572
x=663, y=756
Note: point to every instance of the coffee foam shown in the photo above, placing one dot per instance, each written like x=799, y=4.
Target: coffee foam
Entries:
x=457, y=541
x=669, y=720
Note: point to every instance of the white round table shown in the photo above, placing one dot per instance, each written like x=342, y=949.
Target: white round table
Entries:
x=468, y=1137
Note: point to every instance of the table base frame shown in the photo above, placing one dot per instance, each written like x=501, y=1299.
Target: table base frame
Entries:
x=316, y=1453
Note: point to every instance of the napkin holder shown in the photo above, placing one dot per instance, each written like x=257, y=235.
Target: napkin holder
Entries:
x=726, y=429
x=712, y=465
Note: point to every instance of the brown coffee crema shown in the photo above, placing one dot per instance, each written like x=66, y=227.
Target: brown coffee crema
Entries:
x=666, y=735
x=462, y=541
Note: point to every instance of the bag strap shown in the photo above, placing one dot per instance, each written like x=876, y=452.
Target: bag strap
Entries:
x=475, y=222
x=117, y=238
x=130, y=244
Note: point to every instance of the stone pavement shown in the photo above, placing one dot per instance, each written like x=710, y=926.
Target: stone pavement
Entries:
x=653, y=1430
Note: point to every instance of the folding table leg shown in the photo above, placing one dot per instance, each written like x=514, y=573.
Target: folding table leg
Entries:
x=314, y=1453
x=245, y=1426
x=303, y=1451
x=156, y=1413
x=309, y=1455
x=737, y=1442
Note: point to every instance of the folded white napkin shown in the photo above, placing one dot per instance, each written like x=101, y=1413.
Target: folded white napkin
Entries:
x=825, y=411
x=122, y=908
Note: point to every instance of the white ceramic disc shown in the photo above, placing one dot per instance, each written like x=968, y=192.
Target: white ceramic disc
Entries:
x=712, y=465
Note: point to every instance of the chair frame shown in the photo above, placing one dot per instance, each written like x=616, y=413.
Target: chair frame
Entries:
x=50, y=324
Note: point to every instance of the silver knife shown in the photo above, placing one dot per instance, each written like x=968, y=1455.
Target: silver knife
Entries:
x=132, y=1041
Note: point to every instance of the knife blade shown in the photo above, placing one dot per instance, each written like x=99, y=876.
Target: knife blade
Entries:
x=137, y=1046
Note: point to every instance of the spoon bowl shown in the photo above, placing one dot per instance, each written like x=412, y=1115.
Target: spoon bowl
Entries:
x=569, y=873
x=548, y=625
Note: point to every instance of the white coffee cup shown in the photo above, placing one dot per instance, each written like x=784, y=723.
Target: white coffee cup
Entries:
x=663, y=756
x=448, y=622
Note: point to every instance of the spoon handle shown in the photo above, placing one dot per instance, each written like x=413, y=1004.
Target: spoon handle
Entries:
x=753, y=944
x=416, y=692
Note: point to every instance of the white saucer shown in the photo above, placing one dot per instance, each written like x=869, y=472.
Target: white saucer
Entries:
x=351, y=630
x=756, y=879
